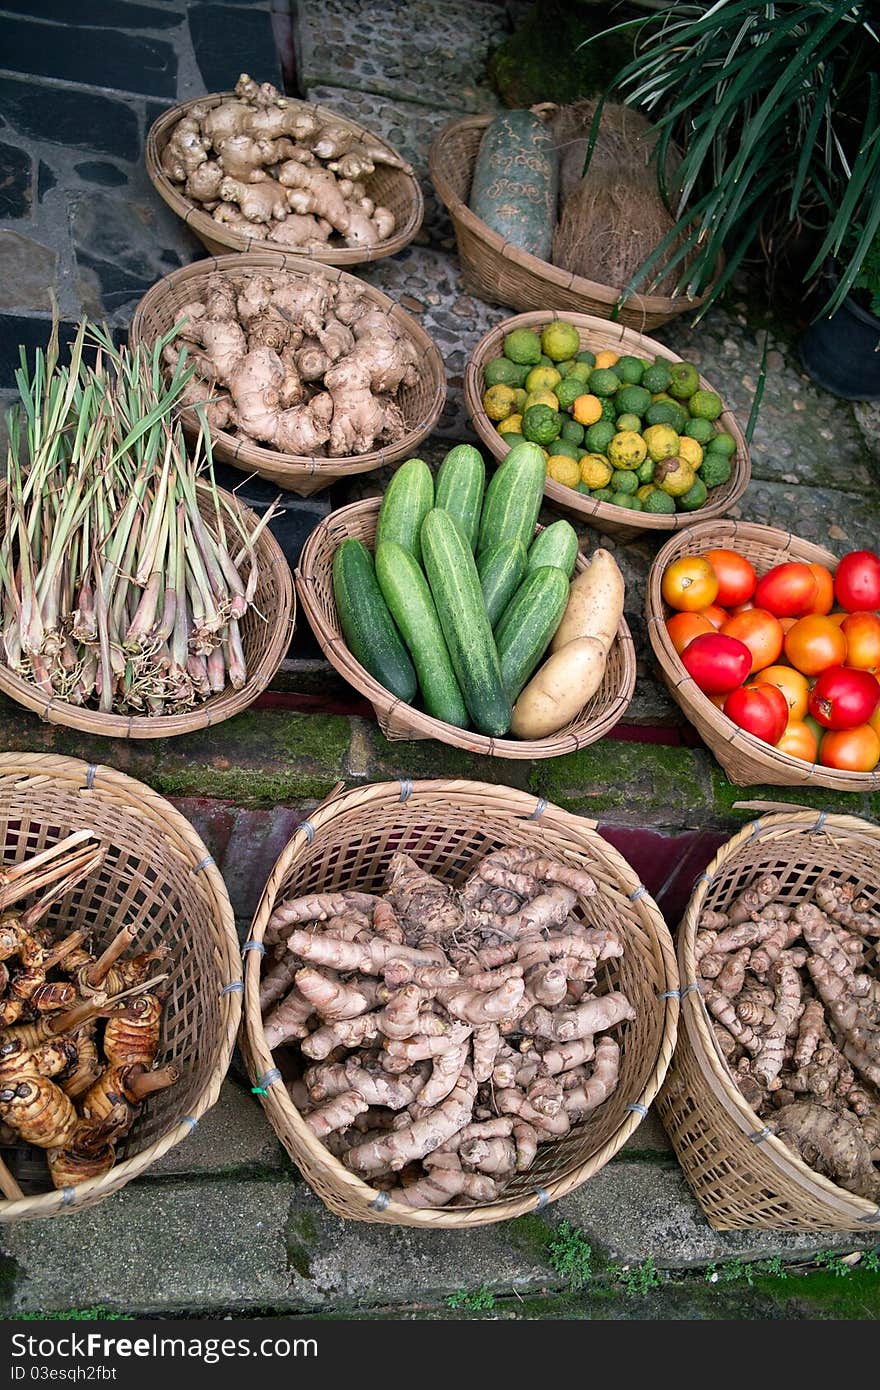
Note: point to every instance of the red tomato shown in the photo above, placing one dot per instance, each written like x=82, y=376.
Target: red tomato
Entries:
x=684, y=627
x=717, y=663
x=761, y=633
x=736, y=577
x=716, y=615
x=813, y=644
x=761, y=710
x=843, y=698
x=793, y=686
x=862, y=633
x=857, y=581
x=824, y=600
x=799, y=741
x=787, y=591
x=850, y=750
x=689, y=584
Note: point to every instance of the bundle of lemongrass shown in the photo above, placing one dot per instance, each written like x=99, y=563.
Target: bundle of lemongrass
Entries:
x=124, y=572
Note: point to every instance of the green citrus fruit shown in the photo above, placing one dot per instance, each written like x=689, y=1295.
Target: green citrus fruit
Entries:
x=502, y=372
x=603, y=381
x=523, y=346
x=632, y=400
x=560, y=340
x=630, y=369
x=684, y=380
x=541, y=424
x=655, y=378
x=705, y=405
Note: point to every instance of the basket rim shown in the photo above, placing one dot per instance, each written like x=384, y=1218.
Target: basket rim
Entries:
x=771, y=760
x=87, y=778
x=341, y=658
x=212, y=711
x=565, y=497
x=695, y=1017
x=261, y=1064
x=255, y=457
x=217, y=232
x=636, y=303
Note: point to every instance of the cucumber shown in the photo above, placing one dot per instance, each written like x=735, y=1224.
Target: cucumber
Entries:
x=459, y=489
x=528, y=623
x=557, y=545
x=514, y=188
x=501, y=569
x=408, y=499
x=513, y=498
x=455, y=586
x=406, y=592
x=368, y=627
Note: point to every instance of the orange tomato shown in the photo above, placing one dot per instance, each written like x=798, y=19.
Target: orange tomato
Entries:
x=761, y=633
x=874, y=721
x=813, y=644
x=787, y=623
x=824, y=600
x=799, y=740
x=736, y=577
x=862, y=633
x=743, y=607
x=690, y=584
x=716, y=615
x=850, y=750
x=684, y=627
x=794, y=686
x=838, y=617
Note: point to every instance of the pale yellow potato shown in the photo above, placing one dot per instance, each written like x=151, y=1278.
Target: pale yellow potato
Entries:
x=595, y=603
x=559, y=688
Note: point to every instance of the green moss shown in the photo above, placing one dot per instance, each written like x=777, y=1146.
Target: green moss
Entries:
x=643, y=781
x=301, y=1236
x=725, y=794
x=10, y=1271
x=544, y=61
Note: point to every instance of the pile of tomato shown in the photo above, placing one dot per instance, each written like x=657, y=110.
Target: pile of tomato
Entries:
x=792, y=656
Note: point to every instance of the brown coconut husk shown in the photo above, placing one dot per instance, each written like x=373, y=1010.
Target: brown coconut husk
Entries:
x=624, y=146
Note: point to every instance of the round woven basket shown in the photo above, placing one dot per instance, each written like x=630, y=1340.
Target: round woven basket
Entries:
x=161, y=308
x=395, y=189
x=156, y=876
x=741, y=1175
x=314, y=582
x=448, y=827
x=266, y=630
x=596, y=335
x=504, y=274
x=746, y=759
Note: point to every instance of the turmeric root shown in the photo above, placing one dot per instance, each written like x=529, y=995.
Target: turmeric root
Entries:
x=440, y=1186
x=755, y=897
x=315, y=908
x=832, y=1143
x=336, y=1113
x=429, y=1132
x=592, y=1017
x=287, y=1020
x=603, y=1080
x=331, y=997
x=837, y=899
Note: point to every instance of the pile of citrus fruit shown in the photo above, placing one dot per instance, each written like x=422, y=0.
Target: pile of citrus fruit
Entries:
x=622, y=429
x=792, y=656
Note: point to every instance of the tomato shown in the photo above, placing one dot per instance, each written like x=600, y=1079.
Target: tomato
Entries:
x=824, y=600
x=799, y=741
x=689, y=584
x=857, y=581
x=793, y=686
x=874, y=721
x=716, y=615
x=787, y=591
x=684, y=627
x=761, y=710
x=814, y=644
x=761, y=633
x=743, y=608
x=862, y=633
x=736, y=577
x=838, y=617
x=717, y=663
x=787, y=623
x=850, y=750
x=843, y=698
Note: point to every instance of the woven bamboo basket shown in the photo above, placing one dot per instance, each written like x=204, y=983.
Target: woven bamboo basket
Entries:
x=395, y=189
x=448, y=827
x=161, y=308
x=504, y=274
x=157, y=875
x=747, y=760
x=741, y=1175
x=266, y=630
x=597, y=335
x=314, y=582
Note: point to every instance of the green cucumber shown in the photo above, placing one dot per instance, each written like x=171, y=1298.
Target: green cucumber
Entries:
x=368, y=627
x=501, y=569
x=513, y=498
x=557, y=545
x=408, y=499
x=455, y=586
x=405, y=590
x=528, y=623
x=459, y=489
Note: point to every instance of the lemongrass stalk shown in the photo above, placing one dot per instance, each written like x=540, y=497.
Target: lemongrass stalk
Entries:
x=234, y=652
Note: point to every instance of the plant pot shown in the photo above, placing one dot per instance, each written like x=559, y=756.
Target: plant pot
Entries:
x=841, y=353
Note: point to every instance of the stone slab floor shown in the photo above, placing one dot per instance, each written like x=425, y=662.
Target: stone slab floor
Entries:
x=224, y=1222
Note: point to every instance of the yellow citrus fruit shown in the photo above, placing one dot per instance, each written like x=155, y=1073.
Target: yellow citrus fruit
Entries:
x=540, y=398
x=587, y=409
x=562, y=469
x=595, y=470
x=690, y=451
x=512, y=425
x=499, y=402
x=675, y=477
x=542, y=379
x=644, y=492
x=662, y=442
x=560, y=340
x=627, y=450
x=521, y=398
x=606, y=359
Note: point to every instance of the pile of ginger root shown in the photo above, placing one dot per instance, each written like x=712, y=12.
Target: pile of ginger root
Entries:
x=273, y=168
x=303, y=366
x=442, y=1035
x=793, y=993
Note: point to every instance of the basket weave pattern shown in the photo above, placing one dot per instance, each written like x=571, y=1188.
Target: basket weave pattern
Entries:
x=448, y=827
x=741, y=1175
x=158, y=876
x=314, y=580
x=161, y=308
